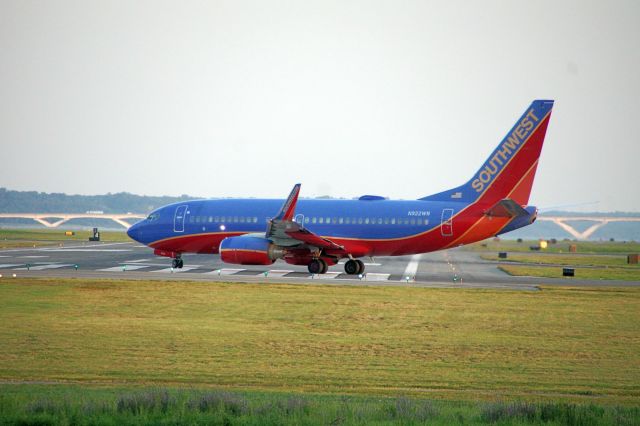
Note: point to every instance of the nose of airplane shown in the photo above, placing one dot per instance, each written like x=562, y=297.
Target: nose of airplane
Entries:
x=134, y=232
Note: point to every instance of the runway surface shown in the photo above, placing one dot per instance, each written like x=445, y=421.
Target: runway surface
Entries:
x=450, y=268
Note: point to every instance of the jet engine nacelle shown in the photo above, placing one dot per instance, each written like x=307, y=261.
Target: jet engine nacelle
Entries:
x=249, y=250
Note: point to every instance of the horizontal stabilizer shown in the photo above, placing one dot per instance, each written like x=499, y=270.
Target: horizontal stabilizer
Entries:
x=506, y=208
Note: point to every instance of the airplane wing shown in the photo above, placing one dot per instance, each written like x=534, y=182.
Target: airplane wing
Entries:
x=284, y=231
x=506, y=208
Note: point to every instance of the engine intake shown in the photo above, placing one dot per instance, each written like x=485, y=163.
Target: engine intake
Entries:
x=249, y=250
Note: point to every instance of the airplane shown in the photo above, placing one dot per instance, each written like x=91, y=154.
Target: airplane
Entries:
x=319, y=233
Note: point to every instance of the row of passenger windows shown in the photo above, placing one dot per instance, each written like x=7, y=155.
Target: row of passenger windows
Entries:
x=222, y=219
x=367, y=220
x=317, y=220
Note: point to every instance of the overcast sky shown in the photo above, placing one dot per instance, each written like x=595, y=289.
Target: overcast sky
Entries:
x=246, y=98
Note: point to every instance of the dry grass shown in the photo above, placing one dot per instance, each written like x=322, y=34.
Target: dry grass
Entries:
x=559, y=343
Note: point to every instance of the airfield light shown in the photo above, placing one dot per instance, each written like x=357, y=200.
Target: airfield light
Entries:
x=76, y=266
x=28, y=267
x=14, y=275
x=266, y=273
x=0, y=275
x=124, y=268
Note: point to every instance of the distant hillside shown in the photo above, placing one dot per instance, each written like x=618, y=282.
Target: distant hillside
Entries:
x=42, y=202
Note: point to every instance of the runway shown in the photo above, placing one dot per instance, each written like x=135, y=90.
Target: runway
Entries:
x=454, y=268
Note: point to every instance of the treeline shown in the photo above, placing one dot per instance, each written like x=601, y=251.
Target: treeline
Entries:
x=42, y=202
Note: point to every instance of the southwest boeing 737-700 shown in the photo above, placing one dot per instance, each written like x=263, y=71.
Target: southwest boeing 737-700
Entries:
x=318, y=233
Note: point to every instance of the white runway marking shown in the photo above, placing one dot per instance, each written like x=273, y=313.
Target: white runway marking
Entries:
x=31, y=257
x=183, y=269
x=10, y=265
x=276, y=273
x=342, y=262
x=371, y=276
x=119, y=268
x=225, y=271
x=43, y=267
x=412, y=267
x=139, y=260
x=327, y=276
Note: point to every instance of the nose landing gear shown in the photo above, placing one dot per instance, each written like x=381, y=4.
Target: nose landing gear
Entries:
x=177, y=263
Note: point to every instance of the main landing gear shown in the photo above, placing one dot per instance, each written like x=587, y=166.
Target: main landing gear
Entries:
x=177, y=263
x=354, y=267
x=318, y=266
x=351, y=267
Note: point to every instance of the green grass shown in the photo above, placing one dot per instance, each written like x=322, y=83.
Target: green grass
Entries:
x=558, y=344
x=612, y=273
x=68, y=404
x=589, y=247
x=565, y=259
x=15, y=238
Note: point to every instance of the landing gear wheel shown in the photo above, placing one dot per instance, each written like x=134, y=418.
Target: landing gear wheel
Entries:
x=180, y=263
x=351, y=267
x=317, y=266
x=360, y=266
x=175, y=263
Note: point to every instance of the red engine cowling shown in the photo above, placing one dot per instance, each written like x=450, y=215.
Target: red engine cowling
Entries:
x=249, y=250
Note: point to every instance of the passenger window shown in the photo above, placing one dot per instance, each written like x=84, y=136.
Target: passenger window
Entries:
x=235, y=219
x=406, y=221
x=327, y=220
x=306, y=219
x=386, y=220
x=419, y=221
x=334, y=220
x=413, y=221
x=393, y=221
x=340, y=221
x=366, y=220
x=241, y=219
x=216, y=219
x=321, y=220
x=210, y=219
x=379, y=221
x=347, y=221
x=255, y=219
x=359, y=221
x=426, y=221
x=313, y=220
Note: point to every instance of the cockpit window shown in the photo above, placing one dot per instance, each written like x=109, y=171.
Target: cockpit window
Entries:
x=153, y=217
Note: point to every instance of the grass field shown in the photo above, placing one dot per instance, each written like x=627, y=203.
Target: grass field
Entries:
x=549, y=265
x=69, y=404
x=614, y=273
x=592, y=247
x=16, y=238
x=558, y=344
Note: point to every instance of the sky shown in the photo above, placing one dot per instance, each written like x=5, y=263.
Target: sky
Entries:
x=247, y=98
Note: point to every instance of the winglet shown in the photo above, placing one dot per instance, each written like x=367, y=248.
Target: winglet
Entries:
x=289, y=207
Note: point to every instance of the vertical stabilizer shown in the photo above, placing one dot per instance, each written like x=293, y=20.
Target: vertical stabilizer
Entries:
x=511, y=167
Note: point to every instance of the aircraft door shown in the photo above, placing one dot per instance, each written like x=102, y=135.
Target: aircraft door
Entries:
x=178, y=219
x=446, y=224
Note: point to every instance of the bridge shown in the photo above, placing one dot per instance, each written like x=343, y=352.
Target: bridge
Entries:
x=53, y=220
x=600, y=221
